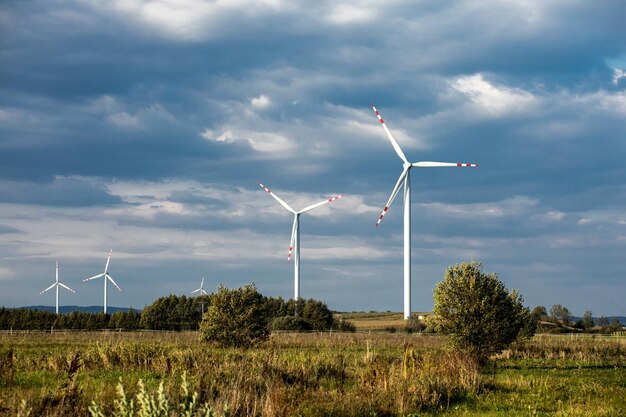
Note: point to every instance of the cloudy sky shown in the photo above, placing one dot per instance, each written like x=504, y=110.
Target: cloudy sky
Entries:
x=145, y=126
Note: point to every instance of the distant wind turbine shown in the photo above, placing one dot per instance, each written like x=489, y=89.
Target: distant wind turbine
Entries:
x=107, y=277
x=294, y=244
x=57, y=284
x=405, y=178
x=201, y=289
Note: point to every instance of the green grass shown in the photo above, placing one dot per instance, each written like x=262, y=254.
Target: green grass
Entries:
x=334, y=374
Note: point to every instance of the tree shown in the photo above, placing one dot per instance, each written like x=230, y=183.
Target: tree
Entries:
x=480, y=314
x=539, y=312
x=317, y=314
x=561, y=313
x=235, y=317
x=523, y=316
x=173, y=313
x=603, y=321
x=587, y=320
x=290, y=324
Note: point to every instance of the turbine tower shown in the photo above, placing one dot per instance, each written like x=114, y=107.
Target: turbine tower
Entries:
x=107, y=277
x=405, y=178
x=201, y=289
x=294, y=244
x=57, y=284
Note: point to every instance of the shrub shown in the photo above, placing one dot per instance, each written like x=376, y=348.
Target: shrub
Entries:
x=414, y=325
x=290, y=323
x=235, y=317
x=344, y=325
x=478, y=311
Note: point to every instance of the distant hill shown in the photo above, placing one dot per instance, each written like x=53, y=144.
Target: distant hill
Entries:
x=621, y=319
x=84, y=309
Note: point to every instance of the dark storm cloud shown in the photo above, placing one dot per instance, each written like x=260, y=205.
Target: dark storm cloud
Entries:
x=61, y=192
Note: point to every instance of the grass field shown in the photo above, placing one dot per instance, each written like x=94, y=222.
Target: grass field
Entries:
x=338, y=374
x=375, y=321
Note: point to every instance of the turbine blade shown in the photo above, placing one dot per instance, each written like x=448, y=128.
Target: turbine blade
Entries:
x=203, y=292
x=293, y=236
x=393, y=141
x=202, y=283
x=94, y=277
x=114, y=283
x=66, y=287
x=282, y=203
x=194, y=291
x=394, y=192
x=49, y=288
x=312, y=206
x=430, y=164
x=106, y=267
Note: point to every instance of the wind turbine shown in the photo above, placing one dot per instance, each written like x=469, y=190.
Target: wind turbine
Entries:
x=294, y=244
x=201, y=289
x=405, y=178
x=57, y=284
x=107, y=277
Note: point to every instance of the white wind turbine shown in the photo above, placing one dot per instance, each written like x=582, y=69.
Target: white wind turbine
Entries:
x=107, y=277
x=57, y=284
x=201, y=289
x=405, y=178
x=294, y=244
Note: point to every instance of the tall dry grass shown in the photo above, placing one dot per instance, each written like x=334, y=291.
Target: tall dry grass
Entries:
x=305, y=374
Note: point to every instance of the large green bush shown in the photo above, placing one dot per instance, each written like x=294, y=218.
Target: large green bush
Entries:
x=478, y=312
x=236, y=317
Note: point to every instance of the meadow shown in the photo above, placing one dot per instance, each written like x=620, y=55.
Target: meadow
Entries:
x=312, y=374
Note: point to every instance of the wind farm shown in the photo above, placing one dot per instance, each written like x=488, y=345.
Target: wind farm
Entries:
x=495, y=289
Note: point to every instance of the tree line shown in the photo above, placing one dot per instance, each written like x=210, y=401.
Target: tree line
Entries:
x=177, y=313
x=560, y=320
x=28, y=319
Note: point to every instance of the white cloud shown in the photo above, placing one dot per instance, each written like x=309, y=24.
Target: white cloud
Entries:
x=104, y=103
x=618, y=74
x=189, y=20
x=505, y=208
x=261, y=102
x=151, y=210
x=496, y=100
x=124, y=120
x=263, y=142
x=269, y=142
x=350, y=13
x=361, y=123
x=610, y=218
x=118, y=114
x=550, y=216
x=614, y=102
x=332, y=251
